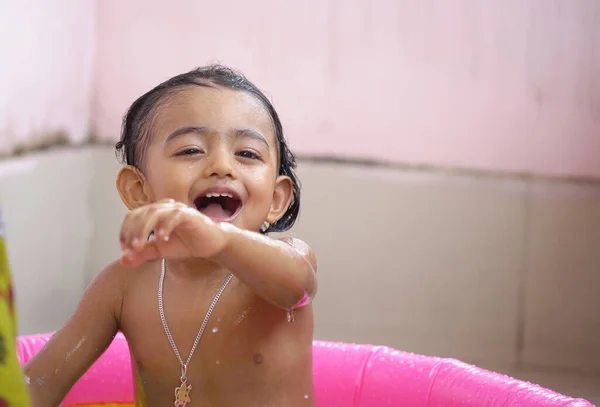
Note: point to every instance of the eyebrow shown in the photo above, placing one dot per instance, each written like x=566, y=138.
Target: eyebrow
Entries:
x=186, y=130
x=201, y=130
x=253, y=134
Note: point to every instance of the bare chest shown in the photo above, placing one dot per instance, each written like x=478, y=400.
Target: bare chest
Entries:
x=240, y=328
x=247, y=344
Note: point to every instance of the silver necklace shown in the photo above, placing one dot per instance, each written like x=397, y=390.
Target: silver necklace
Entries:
x=182, y=392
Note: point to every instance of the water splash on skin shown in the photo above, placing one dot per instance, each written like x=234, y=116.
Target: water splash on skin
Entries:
x=242, y=316
x=75, y=349
x=290, y=316
x=215, y=330
x=300, y=247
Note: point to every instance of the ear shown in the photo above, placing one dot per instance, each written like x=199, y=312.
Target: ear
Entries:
x=132, y=187
x=282, y=198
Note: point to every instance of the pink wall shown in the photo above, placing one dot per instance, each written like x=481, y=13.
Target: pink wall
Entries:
x=511, y=85
x=46, y=57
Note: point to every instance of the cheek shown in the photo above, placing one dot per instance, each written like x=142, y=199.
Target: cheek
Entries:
x=262, y=178
x=260, y=183
x=171, y=182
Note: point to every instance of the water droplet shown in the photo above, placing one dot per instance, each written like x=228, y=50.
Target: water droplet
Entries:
x=242, y=316
x=290, y=315
x=306, y=396
x=215, y=330
x=218, y=363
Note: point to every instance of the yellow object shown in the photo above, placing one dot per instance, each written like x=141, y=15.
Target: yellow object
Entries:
x=13, y=392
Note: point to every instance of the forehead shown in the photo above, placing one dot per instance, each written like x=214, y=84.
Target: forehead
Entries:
x=212, y=107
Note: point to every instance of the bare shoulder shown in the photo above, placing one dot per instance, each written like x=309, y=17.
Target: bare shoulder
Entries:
x=118, y=271
x=302, y=248
x=109, y=286
x=118, y=275
x=113, y=276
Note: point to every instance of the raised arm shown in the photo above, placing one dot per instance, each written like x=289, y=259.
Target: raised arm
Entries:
x=282, y=271
x=74, y=348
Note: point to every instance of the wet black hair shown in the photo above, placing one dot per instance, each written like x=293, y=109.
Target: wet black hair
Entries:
x=137, y=125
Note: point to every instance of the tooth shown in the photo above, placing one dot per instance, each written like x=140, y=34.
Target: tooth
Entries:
x=216, y=194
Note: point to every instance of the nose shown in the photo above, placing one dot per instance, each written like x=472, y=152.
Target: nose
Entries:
x=219, y=165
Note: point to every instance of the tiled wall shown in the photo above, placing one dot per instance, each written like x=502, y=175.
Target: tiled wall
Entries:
x=562, y=313
x=496, y=271
x=45, y=205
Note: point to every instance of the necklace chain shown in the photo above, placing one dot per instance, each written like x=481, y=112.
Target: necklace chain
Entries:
x=161, y=310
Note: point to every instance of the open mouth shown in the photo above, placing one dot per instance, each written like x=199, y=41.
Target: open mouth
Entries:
x=219, y=206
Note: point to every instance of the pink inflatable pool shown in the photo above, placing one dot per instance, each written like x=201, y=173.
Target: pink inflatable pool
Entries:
x=345, y=376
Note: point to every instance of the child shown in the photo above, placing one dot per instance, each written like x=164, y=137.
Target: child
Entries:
x=215, y=313
x=13, y=392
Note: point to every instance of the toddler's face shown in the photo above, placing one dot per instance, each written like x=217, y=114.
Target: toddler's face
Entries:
x=215, y=149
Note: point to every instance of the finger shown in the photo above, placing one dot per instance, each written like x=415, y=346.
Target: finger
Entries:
x=162, y=215
x=147, y=224
x=166, y=226
x=132, y=258
x=128, y=258
x=150, y=252
x=125, y=236
x=166, y=201
x=151, y=221
x=132, y=227
x=139, y=223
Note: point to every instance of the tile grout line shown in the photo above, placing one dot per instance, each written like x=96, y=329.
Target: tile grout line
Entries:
x=94, y=141
x=450, y=170
x=523, y=277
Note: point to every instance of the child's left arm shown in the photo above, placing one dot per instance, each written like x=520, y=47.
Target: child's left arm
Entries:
x=282, y=271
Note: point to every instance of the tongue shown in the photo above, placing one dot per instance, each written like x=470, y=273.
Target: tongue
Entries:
x=215, y=211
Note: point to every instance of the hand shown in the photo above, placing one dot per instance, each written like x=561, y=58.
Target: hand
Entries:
x=179, y=232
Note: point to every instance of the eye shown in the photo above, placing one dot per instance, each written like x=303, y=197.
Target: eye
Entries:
x=189, y=151
x=249, y=154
